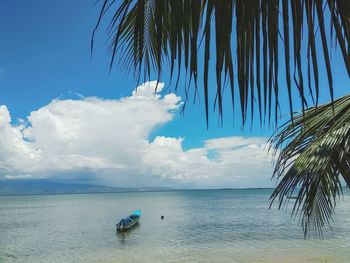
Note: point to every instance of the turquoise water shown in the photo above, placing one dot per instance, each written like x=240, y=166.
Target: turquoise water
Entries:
x=199, y=226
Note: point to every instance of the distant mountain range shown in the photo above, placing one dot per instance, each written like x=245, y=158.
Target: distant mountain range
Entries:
x=42, y=187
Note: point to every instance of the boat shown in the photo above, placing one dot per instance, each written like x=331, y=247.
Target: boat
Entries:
x=128, y=222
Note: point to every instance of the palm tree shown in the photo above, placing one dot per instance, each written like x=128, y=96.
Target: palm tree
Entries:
x=250, y=39
x=315, y=156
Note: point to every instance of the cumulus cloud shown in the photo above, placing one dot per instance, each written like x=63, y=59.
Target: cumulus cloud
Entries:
x=107, y=141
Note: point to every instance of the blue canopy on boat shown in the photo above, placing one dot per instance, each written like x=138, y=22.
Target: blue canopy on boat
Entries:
x=137, y=213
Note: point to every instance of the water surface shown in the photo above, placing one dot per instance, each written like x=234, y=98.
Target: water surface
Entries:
x=199, y=226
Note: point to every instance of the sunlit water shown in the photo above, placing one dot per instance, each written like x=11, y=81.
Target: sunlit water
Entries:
x=199, y=226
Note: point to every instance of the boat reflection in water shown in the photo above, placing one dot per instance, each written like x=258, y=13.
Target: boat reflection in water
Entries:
x=128, y=237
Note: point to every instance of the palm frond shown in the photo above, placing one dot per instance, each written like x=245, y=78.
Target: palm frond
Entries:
x=315, y=155
x=148, y=35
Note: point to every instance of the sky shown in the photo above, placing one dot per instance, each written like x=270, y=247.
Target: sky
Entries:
x=64, y=116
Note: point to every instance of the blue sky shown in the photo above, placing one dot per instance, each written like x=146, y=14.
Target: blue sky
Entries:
x=45, y=55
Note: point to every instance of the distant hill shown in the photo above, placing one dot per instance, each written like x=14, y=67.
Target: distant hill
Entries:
x=41, y=187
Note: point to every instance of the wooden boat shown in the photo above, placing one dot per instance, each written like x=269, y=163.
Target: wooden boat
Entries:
x=128, y=222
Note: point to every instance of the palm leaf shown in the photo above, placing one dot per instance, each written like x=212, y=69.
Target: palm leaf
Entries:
x=148, y=35
x=315, y=155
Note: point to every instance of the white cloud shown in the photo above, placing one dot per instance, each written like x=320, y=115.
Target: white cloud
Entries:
x=19, y=176
x=222, y=162
x=107, y=141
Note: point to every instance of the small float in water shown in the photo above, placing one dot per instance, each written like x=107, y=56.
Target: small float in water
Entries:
x=130, y=221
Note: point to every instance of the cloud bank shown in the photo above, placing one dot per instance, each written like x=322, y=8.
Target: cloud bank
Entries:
x=106, y=141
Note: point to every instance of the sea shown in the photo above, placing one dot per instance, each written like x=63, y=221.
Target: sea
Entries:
x=198, y=226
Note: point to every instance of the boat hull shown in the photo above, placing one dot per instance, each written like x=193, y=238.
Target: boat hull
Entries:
x=124, y=227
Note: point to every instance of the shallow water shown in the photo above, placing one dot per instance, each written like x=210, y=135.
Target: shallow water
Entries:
x=199, y=226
